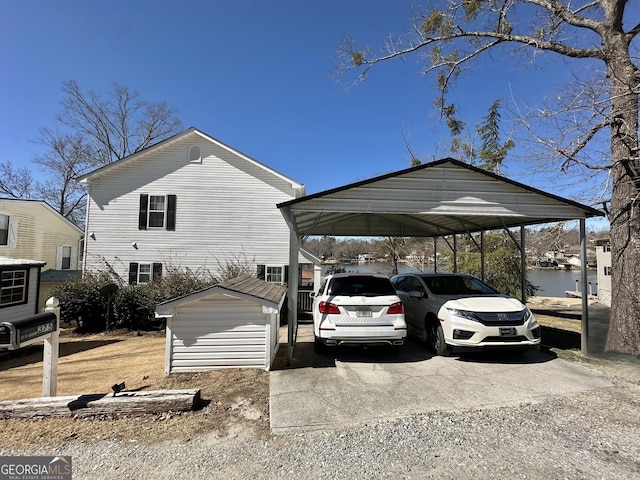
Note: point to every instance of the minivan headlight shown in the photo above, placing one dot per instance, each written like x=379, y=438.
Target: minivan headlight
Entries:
x=462, y=314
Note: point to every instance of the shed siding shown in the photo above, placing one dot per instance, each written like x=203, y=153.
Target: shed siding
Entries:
x=218, y=332
x=226, y=210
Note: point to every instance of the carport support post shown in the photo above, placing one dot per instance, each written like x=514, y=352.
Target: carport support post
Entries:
x=584, y=338
x=50, y=352
x=292, y=303
x=523, y=266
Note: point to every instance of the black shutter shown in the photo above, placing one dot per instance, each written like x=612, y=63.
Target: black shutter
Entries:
x=261, y=272
x=142, y=216
x=171, y=212
x=286, y=274
x=157, y=271
x=133, y=273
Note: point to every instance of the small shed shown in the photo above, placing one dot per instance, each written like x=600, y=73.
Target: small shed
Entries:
x=231, y=325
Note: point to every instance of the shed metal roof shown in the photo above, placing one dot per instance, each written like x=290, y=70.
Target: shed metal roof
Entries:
x=435, y=199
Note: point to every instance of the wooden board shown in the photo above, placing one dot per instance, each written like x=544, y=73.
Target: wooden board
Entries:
x=152, y=401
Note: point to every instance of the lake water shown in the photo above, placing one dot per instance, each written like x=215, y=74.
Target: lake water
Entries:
x=551, y=283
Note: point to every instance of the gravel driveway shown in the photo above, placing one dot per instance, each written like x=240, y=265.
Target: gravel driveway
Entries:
x=581, y=435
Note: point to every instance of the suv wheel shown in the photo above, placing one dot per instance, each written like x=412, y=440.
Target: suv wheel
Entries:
x=318, y=346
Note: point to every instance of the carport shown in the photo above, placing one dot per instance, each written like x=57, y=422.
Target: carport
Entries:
x=441, y=199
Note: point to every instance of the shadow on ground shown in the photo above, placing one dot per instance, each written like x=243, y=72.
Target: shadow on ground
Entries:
x=33, y=353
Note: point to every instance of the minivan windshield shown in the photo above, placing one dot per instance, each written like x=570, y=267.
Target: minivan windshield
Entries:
x=456, y=285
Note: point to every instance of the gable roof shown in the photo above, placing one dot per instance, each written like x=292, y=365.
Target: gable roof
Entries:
x=45, y=206
x=245, y=288
x=435, y=199
x=97, y=173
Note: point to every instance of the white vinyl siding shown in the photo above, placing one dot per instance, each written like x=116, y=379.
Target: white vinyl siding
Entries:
x=226, y=210
x=219, y=332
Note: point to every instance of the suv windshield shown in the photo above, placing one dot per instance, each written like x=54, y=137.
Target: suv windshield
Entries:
x=360, y=285
x=456, y=285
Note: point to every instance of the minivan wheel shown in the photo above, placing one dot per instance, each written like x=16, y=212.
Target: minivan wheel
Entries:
x=438, y=345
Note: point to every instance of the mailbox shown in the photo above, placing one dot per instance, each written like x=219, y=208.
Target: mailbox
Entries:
x=25, y=331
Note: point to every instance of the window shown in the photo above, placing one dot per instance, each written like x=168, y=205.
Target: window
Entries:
x=273, y=274
x=606, y=247
x=157, y=212
x=13, y=287
x=66, y=258
x=8, y=230
x=144, y=272
x=607, y=271
x=194, y=154
x=4, y=229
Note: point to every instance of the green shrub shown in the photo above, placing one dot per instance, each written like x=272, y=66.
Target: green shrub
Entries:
x=81, y=302
x=133, y=307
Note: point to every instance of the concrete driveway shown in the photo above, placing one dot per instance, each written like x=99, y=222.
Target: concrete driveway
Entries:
x=353, y=386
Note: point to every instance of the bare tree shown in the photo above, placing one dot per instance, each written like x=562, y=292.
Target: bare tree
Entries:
x=117, y=124
x=100, y=129
x=454, y=34
x=15, y=183
x=67, y=157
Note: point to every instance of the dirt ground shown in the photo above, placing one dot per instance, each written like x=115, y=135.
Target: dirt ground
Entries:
x=235, y=399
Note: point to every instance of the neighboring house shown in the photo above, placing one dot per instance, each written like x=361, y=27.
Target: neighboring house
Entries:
x=603, y=252
x=188, y=202
x=19, y=287
x=33, y=229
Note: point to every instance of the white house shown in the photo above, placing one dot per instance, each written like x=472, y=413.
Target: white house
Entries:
x=188, y=202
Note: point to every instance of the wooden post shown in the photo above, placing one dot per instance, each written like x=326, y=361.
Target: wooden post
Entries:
x=50, y=352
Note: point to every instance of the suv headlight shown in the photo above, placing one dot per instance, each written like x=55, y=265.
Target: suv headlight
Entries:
x=462, y=314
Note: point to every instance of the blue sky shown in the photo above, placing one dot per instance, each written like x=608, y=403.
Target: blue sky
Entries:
x=255, y=74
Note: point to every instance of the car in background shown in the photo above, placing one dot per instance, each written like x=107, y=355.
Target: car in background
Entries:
x=357, y=309
x=458, y=311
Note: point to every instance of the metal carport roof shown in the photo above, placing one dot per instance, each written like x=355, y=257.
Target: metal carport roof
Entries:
x=436, y=199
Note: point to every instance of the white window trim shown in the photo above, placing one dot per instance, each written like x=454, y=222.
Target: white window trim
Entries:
x=164, y=212
x=73, y=258
x=12, y=234
x=150, y=265
x=266, y=273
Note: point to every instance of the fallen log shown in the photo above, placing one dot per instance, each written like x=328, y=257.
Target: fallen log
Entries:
x=151, y=401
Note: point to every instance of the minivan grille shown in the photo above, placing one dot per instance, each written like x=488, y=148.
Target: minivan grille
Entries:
x=501, y=319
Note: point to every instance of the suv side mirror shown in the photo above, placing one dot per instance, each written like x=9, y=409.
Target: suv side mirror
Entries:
x=312, y=294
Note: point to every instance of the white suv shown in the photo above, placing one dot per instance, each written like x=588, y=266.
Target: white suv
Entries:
x=459, y=311
x=351, y=309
